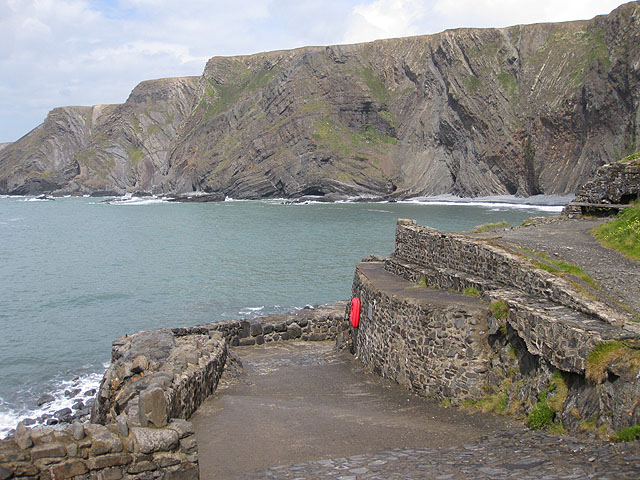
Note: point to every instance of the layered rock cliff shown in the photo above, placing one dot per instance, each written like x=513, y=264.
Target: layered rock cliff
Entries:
x=522, y=110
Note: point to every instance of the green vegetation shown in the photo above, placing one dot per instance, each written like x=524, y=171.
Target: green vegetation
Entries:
x=222, y=96
x=471, y=292
x=627, y=434
x=622, y=233
x=347, y=142
x=560, y=267
x=541, y=415
x=473, y=84
x=378, y=90
x=558, y=391
x=135, y=155
x=608, y=353
x=634, y=157
x=422, y=282
x=499, y=309
x=509, y=83
x=489, y=226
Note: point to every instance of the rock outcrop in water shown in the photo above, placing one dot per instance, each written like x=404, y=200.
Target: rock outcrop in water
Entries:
x=521, y=110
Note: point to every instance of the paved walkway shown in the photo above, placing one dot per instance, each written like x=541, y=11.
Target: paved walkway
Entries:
x=315, y=414
x=570, y=240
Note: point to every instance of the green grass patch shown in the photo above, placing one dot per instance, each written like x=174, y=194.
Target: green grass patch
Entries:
x=135, y=155
x=633, y=158
x=558, y=391
x=473, y=84
x=622, y=233
x=499, y=309
x=627, y=434
x=378, y=90
x=560, y=267
x=489, y=226
x=541, y=415
x=509, y=84
x=471, y=292
x=607, y=353
x=422, y=282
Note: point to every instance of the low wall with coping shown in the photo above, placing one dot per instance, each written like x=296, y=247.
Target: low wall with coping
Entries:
x=431, y=249
x=155, y=382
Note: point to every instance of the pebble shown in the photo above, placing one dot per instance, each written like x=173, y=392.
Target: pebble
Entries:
x=514, y=454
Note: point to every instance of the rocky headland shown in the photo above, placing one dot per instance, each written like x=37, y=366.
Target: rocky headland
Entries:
x=521, y=110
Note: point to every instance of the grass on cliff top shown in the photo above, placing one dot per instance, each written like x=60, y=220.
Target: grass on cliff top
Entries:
x=609, y=353
x=622, y=233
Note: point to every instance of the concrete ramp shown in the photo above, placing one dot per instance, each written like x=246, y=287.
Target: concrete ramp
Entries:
x=302, y=401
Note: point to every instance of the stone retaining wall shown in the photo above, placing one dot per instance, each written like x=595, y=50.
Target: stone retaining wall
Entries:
x=435, y=348
x=155, y=382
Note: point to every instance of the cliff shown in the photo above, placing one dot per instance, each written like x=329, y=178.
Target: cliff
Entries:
x=522, y=110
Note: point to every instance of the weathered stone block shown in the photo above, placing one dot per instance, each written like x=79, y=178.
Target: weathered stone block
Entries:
x=189, y=445
x=153, y=408
x=184, y=428
x=294, y=330
x=69, y=469
x=22, y=469
x=106, y=461
x=22, y=437
x=114, y=473
x=5, y=473
x=51, y=450
x=103, y=441
x=184, y=472
x=144, y=466
x=245, y=342
x=149, y=440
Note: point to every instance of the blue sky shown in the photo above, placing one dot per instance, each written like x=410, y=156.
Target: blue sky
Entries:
x=87, y=52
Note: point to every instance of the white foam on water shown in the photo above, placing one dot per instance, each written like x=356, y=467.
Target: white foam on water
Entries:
x=128, y=199
x=11, y=415
x=544, y=203
x=250, y=310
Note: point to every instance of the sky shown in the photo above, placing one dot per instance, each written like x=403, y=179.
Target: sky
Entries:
x=86, y=52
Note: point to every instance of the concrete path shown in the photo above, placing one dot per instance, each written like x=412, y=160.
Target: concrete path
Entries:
x=302, y=402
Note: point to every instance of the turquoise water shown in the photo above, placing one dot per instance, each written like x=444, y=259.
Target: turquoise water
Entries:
x=77, y=273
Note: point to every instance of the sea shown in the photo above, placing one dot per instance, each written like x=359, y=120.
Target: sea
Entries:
x=77, y=273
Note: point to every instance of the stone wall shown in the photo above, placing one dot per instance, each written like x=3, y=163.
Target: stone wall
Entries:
x=454, y=254
x=432, y=342
x=155, y=382
x=417, y=330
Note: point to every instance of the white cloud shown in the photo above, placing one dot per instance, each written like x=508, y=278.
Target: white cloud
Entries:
x=500, y=13
x=384, y=19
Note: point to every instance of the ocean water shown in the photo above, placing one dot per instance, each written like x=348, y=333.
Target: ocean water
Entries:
x=77, y=273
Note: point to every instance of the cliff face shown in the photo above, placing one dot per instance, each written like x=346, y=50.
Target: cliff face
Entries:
x=521, y=110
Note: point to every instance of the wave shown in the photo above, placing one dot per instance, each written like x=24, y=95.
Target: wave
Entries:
x=66, y=394
x=128, y=199
x=545, y=203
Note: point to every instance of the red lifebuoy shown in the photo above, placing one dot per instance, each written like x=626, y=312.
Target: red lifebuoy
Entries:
x=355, y=312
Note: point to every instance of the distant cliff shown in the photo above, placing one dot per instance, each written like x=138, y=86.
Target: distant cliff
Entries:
x=520, y=110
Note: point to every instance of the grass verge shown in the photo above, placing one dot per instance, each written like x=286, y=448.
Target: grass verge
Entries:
x=489, y=226
x=622, y=233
